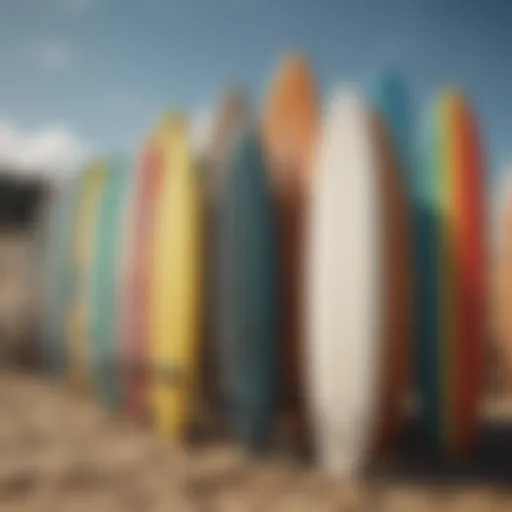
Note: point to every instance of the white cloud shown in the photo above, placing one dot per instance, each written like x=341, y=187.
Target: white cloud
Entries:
x=53, y=151
x=52, y=55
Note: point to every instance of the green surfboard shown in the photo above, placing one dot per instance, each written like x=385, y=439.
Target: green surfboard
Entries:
x=105, y=352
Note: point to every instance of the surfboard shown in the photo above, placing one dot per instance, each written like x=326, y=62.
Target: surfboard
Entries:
x=428, y=233
x=449, y=320
x=231, y=112
x=247, y=305
x=105, y=301
x=456, y=350
x=135, y=319
x=390, y=98
x=396, y=313
x=78, y=322
x=123, y=274
x=501, y=296
x=343, y=301
x=390, y=101
x=465, y=317
x=56, y=277
x=175, y=286
x=289, y=131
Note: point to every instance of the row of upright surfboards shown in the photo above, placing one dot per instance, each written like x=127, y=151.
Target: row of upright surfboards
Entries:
x=309, y=267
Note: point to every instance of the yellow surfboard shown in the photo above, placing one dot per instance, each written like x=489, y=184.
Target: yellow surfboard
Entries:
x=78, y=339
x=175, y=283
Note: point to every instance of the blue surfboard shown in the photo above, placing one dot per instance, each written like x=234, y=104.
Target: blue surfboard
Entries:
x=247, y=283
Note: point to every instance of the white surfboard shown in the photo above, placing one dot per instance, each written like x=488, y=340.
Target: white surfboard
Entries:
x=343, y=289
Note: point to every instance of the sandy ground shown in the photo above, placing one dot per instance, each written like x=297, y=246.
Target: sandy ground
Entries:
x=61, y=453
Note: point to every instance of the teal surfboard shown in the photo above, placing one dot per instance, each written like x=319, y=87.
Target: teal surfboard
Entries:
x=247, y=302
x=428, y=235
x=106, y=349
x=390, y=97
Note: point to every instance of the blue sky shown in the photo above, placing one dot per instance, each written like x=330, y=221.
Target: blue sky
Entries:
x=105, y=69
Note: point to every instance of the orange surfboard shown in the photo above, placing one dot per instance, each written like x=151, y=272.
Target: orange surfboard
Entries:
x=469, y=244
x=289, y=132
